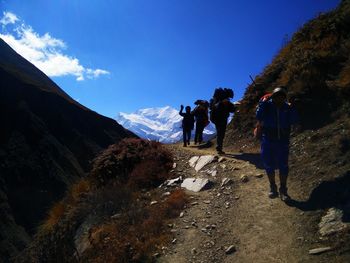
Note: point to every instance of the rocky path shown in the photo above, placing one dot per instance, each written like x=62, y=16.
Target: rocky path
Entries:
x=233, y=220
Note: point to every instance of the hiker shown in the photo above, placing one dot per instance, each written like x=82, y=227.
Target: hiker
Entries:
x=200, y=113
x=275, y=117
x=220, y=109
x=187, y=124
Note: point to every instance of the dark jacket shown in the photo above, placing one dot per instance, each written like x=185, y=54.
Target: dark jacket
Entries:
x=201, y=114
x=188, y=120
x=220, y=111
x=276, y=122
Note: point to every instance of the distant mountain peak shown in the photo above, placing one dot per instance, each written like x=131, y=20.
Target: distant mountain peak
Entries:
x=159, y=123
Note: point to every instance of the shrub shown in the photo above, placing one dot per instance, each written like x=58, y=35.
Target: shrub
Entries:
x=55, y=214
x=119, y=160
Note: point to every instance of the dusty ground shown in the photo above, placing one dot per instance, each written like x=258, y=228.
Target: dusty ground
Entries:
x=240, y=215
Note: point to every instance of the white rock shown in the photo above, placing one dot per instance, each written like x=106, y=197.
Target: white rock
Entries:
x=223, y=166
x=154, y=202
x=231, y=249
x=259, y=175
x=319, y=250
x=173, y=182
x=244, y=178
x=166, y=194
x=203, y=161
x=174, y=165
x=225, y=181
x=221, y=159
x=332, y=222
x=195, y=184
x=213, y=172
x=193, y=161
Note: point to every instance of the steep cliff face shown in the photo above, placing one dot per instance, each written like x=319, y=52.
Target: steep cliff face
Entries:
x=47, y=141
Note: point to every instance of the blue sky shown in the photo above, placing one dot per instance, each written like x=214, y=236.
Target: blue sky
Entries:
x=122, y=55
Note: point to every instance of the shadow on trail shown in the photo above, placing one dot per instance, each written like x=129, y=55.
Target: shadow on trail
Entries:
x=328, y=194
x=253, y=158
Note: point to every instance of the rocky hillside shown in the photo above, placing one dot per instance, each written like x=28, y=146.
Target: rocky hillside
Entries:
x=315, y=67
x=47, y=141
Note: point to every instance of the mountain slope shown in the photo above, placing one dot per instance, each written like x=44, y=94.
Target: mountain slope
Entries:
x=47, y=141
x=315, y=68
x=159, y=124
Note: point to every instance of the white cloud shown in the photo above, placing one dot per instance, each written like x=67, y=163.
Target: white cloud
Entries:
x=95, y=73
x=8, y=18
x=45, y=52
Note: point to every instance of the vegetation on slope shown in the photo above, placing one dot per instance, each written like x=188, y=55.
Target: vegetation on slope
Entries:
x=108, y=216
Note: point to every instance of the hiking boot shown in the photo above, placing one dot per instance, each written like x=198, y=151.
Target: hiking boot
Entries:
x=188, y=143
x=221, y=152
x=273, y=191
x=185, y=144
x=284, y=195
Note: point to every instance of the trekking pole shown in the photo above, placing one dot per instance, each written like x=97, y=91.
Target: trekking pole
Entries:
x=250, y=76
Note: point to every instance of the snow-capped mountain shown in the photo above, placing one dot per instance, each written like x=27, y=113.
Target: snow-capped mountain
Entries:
x=159, y=124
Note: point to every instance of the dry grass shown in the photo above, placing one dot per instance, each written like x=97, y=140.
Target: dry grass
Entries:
x=55, y=214
x=138, y=234
x=115, y=186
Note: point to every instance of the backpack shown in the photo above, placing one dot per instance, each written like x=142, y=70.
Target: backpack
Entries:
x=257, y=132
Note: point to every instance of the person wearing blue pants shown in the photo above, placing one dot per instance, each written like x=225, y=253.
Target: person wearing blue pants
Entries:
x=276, y=117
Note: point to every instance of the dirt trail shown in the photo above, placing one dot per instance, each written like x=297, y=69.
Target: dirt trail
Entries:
x=239, y=214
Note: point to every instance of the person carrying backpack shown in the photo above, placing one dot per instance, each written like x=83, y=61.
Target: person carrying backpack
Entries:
x=275, y=117
x=200, y=113
x=220, y=109
x=187, y=124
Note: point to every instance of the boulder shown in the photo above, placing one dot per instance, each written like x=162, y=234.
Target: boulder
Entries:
x=195, y=184
x=193, y=161
x=203, y=161
x=332, y=222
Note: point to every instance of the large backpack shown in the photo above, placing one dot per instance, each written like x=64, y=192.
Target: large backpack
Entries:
x=216, y=105
x=257, y=132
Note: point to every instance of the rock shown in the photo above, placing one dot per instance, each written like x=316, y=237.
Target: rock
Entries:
x=174, y=165
x=193, y=251
x=206, y=202
x=203, y=161
x=231, y=249
x=225, y=181
x=82, y=236
x=192, y=162
x=223, y=166
x=166, y=194
x=156, y=255
x=212, y=171
x=182, y=214
x=259, y=175
x=194, y=203
x=244, y=178
x=195, y=184
x=154, y=202
x=332, y=222
x=221, y=159
x=319, y=250
x=173, y=182
x=116, y=216
x=174, y=241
